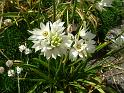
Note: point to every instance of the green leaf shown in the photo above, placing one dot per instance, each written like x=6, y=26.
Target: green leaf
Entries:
x=98, y=79
x=29, y=66
x=77, y=85
x=43, y=75
x=45, y=64
x=101, y=46
x=92, y=69
x=59, y=91
x=10, y=14
x=89, y=82
x=98, y=87
x=35, y=87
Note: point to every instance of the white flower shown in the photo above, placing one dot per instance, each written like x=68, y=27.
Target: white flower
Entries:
x=1, y=70
x=7, y=22
x=57, y=27
x=22, y=48
x=104, y=3
x=78, y=50
x=119, y=42
x=83, y=45
x=18, y=69
x=42, y=33
x=11, y=73
x=59, y=43
x=86, y=34
x=55, y=43
x=27, y=51
x=9, y=63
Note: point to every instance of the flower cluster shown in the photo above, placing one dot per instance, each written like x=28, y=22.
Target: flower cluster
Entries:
x=52, y=41
x=82, y=45
x=11, y=72
x=25, y=49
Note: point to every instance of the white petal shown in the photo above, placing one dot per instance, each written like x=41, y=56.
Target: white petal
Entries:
x=42, y=25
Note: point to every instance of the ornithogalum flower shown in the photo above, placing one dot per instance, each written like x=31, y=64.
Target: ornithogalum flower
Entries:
x=78, y=49
x=83, y=45
x=11, y=73
x=42, y=33
x=51, y=39
x=18, y=70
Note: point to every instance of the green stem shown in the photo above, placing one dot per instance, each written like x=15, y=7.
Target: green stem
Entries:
x=58, y=69
x=67, y=18
x=17, y=3
x=4, y=54
x=49, y=69
x=18, y=85
x=1, y=18
x=54, y=10
x=74, y=8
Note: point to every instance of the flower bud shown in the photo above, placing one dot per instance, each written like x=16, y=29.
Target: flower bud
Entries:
x=1, y=70
x=7, y=22
x=71, y=28
x=9, y=63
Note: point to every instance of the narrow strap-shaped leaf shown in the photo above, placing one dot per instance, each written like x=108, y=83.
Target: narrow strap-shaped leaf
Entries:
x=101, y=46
x=35, y=87
x=45, y=64
x=10, y=14
x=98, y=87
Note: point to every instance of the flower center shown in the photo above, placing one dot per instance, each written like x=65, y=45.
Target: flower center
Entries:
x=56, y=41
x=45, y=33
x=78, y=46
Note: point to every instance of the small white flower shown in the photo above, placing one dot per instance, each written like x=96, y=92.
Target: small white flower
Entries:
x=83, y=46
x=9, y=63
x=27, y=51
x=57, y=26
x=119, y=42
x=78, y=50
x=1, y=70
x=22, y=48
x=86, y=34
x=42, y=33
x=104, y=3
x=7, y=22
x=18, y=69
x=11, y=73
